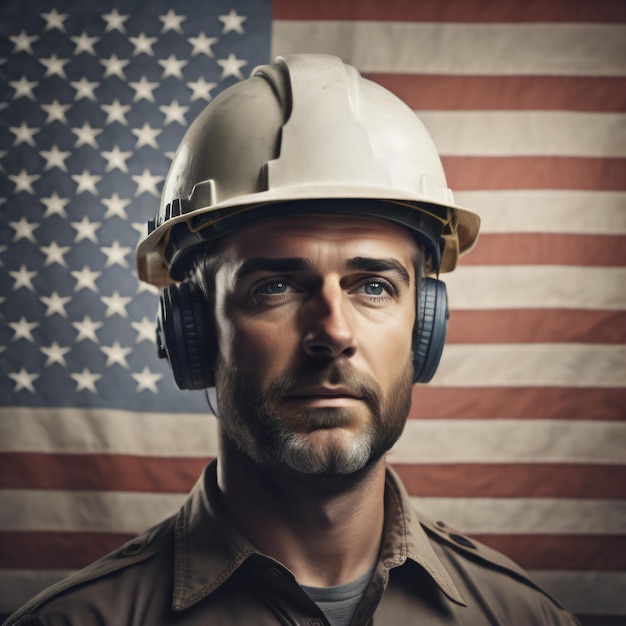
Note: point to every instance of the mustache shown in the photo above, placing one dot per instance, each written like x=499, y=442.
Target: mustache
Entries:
x=341, y=375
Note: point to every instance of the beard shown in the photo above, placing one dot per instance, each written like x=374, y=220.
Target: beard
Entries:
x=306, y=440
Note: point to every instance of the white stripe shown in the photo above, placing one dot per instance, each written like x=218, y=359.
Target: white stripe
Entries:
x=121, y=512
x=530, y=365
x=85, y=511
x=597, y=593
x=473, y=49
x=527, y=516
x=68, y=430
x=536, y=287
x=548, y=211
x=591, y=593
x=527, y=133
x=510, y=441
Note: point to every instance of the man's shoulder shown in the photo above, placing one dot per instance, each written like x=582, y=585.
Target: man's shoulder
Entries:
x=110, y=573
x=479, y=569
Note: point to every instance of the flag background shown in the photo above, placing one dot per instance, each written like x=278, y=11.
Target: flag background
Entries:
x=518, y=441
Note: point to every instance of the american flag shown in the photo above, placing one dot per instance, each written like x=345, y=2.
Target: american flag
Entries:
x=518, y=441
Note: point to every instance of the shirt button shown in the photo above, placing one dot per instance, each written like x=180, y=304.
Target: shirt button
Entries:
x=463, y=541
x=132, y=549
x=273, y=574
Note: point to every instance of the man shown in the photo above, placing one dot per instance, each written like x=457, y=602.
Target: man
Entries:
x=300, y=219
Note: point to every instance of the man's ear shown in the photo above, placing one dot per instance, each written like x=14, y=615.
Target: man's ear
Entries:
x=429, y=334
x=186, y=335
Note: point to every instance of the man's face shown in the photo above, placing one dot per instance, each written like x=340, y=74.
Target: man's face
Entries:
x=314, y=319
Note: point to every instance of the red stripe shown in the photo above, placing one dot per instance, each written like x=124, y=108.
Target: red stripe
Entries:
x=548, y=249
x=504, y=93
x=55, y=550
x=537, y=326
x=98, y=472
x=517, y=403
x=453, y=10
x=602, y=553
x=483, y=173
x=73, y=550
x=520, y=480
x=107, y=472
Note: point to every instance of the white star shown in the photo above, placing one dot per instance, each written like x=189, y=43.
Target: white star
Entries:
x=146, y=330
x=143, y=89
x=24, y=181
x=86, y=380
x=232, y=21
x=231, y=66
x=84, y=89
x=116, y=354
x=115, y=21
x=146, y=136
x=146, y=380
x=23, y=42
x=54, y=254
x=147, y=182
x=55, y=158
x=54, y=19
x=87, y=329
x=86, y=135
x=56, y=111
x=143, y=44
x=115, y=206
x=86, y=182
x=55, y=354
x=55, y=205
x=86, y=279
x=172, y=66
x=54, y=66
x=23, y=278
x=116, y=304
x=55, y=304
x=24, y=134
x=116, y=112
x=116, y=159
x=23, y=380
x=24, y=230
x=22, y=329
x=86, y=230
x=174, y=112
x=23, y=88
x=201, y=89
x=171, y=21
x=85, y=43
x=116, y=254
x=114, y=66
x=202, y=45
x=141, y=228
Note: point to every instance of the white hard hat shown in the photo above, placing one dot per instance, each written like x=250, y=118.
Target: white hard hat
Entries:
x=306, y=134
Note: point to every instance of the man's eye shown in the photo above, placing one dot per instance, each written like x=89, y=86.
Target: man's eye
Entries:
x=273, y=287
x=374, y=288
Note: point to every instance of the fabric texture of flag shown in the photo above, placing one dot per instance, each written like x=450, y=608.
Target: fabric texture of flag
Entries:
x=519, y=440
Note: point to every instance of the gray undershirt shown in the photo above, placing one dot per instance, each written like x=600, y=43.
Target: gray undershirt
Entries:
x=339, y=603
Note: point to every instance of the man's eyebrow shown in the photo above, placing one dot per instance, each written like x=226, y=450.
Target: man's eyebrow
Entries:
x=265, y=264
x=376, y=266
x=299, y=264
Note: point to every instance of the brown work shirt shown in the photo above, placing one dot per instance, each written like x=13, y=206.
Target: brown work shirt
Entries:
x=196, y=569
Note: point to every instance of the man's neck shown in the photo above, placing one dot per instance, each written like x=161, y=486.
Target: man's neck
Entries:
x=324, y=535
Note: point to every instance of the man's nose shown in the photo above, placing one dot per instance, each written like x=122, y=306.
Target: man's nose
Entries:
x=329, y=329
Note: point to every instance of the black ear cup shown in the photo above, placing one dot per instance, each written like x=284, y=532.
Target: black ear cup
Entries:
x=430, y=329
x=185, y=335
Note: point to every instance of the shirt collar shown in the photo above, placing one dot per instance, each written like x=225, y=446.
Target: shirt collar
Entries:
x=208, y=549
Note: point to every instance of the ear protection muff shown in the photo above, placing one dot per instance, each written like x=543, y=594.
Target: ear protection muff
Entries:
x=186, y=333
x=185, y=327
x=431, y=325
